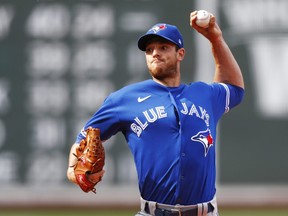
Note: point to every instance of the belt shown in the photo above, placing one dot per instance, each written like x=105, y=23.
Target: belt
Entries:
x=158, y=209
x=179, y=212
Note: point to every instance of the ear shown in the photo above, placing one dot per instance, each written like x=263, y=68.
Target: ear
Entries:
x=181, y=54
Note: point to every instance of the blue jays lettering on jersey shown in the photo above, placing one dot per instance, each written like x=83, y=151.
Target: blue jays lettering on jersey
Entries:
x=181, y=122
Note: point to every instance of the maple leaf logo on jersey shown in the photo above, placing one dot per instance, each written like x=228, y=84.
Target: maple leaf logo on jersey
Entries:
x=205, y=138
x=158, y=28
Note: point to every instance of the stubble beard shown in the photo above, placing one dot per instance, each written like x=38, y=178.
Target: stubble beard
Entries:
x=161, y=73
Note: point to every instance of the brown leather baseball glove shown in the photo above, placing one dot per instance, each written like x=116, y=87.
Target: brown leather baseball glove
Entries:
x=90, y=159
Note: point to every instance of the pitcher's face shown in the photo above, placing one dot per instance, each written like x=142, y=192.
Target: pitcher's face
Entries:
x=162, y=57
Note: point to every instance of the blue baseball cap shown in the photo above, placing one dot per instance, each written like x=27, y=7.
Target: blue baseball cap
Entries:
x=166, y=31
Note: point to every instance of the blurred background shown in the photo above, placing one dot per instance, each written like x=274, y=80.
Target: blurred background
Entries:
x=60, y=59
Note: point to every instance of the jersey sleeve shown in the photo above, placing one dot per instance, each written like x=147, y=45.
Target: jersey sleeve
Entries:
x=227, y=96
x=105, y=118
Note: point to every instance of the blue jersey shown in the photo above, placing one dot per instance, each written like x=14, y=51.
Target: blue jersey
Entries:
x=171, y=132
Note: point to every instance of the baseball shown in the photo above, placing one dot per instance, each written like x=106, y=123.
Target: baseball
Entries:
x=203, y=18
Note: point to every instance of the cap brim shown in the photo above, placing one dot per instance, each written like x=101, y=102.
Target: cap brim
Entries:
x=142, y=42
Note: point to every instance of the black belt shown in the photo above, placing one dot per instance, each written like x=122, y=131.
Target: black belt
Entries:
x=190, y=212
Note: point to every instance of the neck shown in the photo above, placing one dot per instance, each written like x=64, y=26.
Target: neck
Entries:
x=169, y=82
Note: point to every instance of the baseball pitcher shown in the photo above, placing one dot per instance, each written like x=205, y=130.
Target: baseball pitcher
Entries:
x=170, y=127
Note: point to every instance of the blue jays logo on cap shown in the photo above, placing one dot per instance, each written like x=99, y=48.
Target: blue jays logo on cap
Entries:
x=157, y=28
x=166, y=31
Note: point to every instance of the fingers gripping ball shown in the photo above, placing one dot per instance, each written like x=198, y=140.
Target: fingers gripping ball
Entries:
x=203, y=18
x=90, y=159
